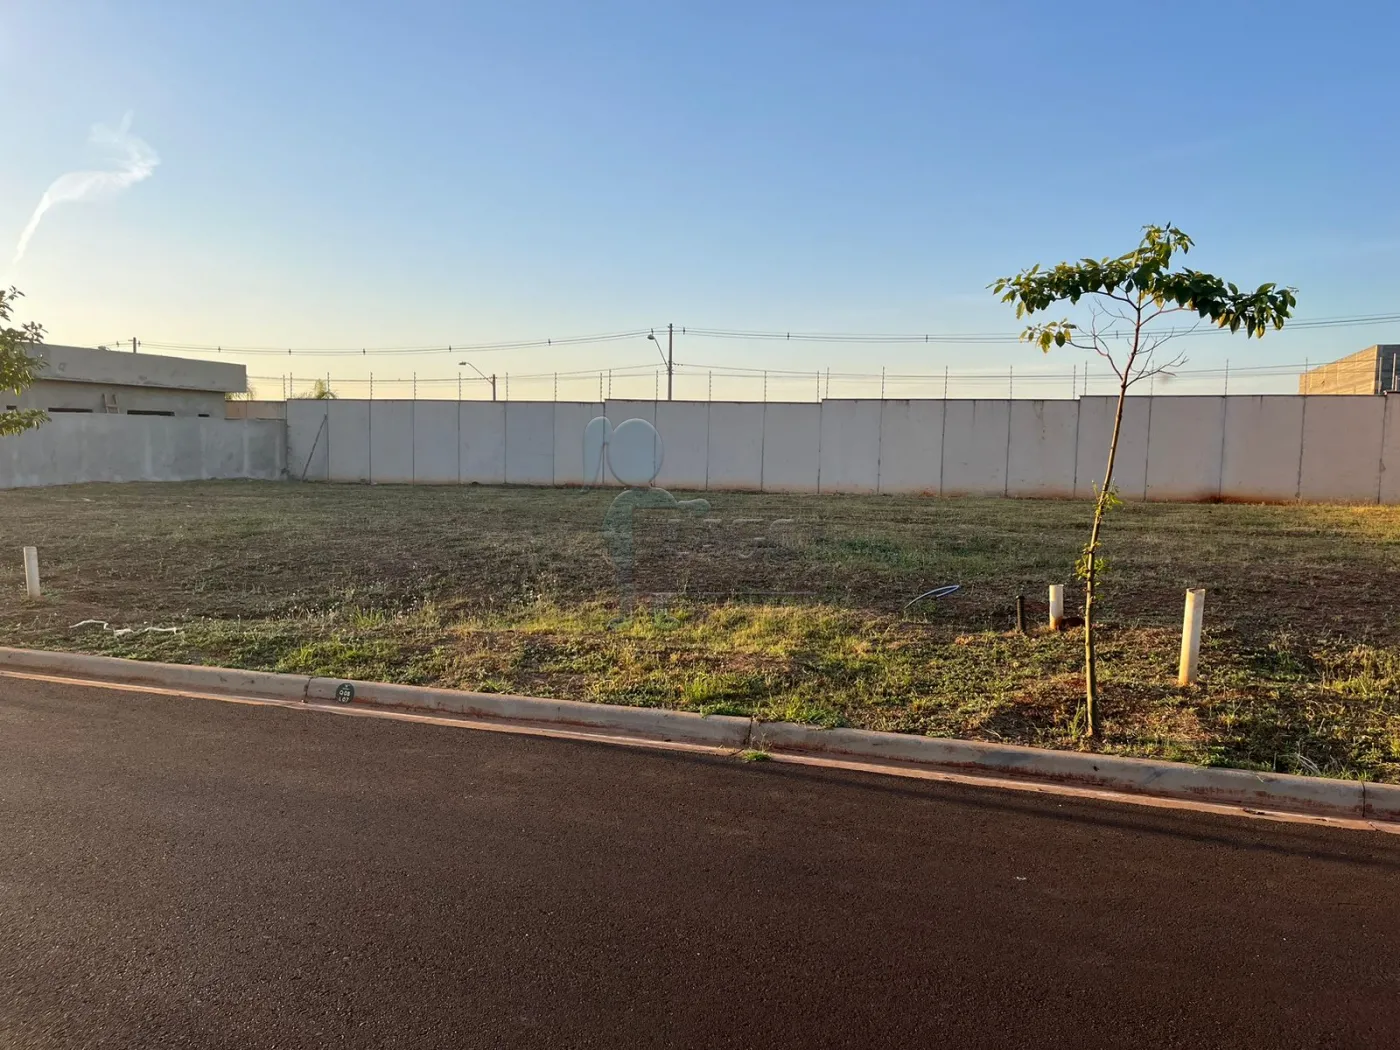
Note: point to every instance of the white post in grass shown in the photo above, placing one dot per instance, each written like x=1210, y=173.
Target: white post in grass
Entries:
x=1057, y=604
x=1191, y=635
x=31, y=571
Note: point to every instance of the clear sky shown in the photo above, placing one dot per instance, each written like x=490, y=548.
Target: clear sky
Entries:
x=340, y=173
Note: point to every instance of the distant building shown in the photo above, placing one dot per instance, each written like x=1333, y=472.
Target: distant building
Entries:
x=1369, y=371
x=79, y=379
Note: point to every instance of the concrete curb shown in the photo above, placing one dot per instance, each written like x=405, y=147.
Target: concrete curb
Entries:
x=1276, y=792
x=1139, y=776
x=670, y=726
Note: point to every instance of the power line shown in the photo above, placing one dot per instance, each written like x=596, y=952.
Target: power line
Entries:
x=451, y=348
x=731, y=334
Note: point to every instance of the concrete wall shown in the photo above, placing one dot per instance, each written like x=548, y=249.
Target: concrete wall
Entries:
x=1043, y=453
x=911, y=446
x=79, y=364
x=975, y=436
x=1273, y=447
x=735, y=448
x=1263, y=447
x=1341, y=446
x=76, y=448
x=791, y=447
x=1390, y=452
x=308, y=448
x=850, y=446
x=1188, y=435
x=1358, y=373
x=95, y=399
x=482, y=430
x=259, y=409
x=391, y=442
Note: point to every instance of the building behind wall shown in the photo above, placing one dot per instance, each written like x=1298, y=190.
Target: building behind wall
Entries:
x=75, y=379
x=1370, y=371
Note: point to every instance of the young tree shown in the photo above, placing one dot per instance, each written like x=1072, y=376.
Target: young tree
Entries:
x=17, y=369
x=1127, y=297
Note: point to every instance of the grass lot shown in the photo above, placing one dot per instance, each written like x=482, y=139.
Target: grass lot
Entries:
x=787, y=607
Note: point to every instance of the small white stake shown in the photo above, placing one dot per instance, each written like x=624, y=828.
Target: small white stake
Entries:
x=1191, y=635
x=31, y=571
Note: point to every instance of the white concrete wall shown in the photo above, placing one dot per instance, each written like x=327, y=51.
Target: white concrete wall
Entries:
x=308, y=448
x=437, y=447
x=348, y=433
x=530, y=443
x=684, y=427
x=1185, y=440
x=1263, y=447
x=391, y=442
x=1096, y=430
x=482, y=428
x=736, y=446
x=1171, y=448
x=1390, y=452
x=911, y=446
x=570, y=419
x=975, y=436
x=850, y=446
x=79, y=448
x=1044, y=448
x=791, y=447
x=1341, y=447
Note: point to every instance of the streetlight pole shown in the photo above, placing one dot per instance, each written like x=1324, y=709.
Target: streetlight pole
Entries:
x=490, y=379
x=669, y=359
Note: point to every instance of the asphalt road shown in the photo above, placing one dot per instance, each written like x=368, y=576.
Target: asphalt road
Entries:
x=178, y=872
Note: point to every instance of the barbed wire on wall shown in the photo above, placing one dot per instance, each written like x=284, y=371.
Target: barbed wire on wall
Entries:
x=706, y=382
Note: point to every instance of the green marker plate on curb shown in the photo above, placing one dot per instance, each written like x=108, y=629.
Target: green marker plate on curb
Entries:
x=344, y=693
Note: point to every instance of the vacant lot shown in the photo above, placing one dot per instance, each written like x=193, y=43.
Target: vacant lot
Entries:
x=789, y=607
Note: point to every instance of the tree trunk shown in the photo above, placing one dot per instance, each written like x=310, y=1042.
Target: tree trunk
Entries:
x=1091, y=678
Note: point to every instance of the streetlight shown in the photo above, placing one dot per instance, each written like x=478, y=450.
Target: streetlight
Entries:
x=666, y=358
x=490, y=379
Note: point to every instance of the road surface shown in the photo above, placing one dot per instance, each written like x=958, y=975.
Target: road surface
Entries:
x=183, y=872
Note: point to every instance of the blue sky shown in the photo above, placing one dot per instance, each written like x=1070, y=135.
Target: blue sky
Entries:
x=349, y=173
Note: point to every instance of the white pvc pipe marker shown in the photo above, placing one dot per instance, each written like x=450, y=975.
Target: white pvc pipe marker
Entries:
x=1057, y=603
x=1191, y=635
x=31, y=571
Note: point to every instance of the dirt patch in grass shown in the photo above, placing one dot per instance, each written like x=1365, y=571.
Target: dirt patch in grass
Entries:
x=786, y=607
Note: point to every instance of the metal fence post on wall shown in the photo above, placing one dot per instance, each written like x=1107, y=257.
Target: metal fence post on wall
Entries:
x=710, y=387
x=945, y=382
x=371, y=386
x=1227, y=377
x=882, y=384
x=556, y=386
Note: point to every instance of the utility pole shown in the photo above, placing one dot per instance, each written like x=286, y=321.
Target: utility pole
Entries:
x=490, y=379
x=133, y=344
x=670, y=359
